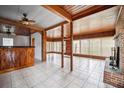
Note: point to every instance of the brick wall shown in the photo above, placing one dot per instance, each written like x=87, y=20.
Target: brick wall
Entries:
x=115, y=79
x=111, y=77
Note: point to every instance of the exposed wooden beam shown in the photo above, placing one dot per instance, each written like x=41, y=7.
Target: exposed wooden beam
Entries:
x=18, y=24
x=59, y=11
x=56, y=25
x=62, y=46
x=44, y=40
x=71, y=44
x=91, y=10
x=94, y=35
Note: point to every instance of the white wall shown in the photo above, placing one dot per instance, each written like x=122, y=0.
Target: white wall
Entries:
x=18, y=40
x=21, y=41
x=38, y=45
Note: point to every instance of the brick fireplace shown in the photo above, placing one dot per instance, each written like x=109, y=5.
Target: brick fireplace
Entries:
x=116, y=77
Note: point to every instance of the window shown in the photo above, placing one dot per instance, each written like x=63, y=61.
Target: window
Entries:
x=64, y=47
x=84, y=46
x=7, y=41
x=76, y=46
x=94, y=46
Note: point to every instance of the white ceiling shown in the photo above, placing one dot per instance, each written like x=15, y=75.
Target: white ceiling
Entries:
x=42, y=16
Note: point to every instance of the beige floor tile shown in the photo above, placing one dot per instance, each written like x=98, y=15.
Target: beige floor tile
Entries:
x=88, y=73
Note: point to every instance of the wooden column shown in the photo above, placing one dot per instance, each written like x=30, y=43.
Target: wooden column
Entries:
x=44, y=39
x=71, y=46
x=30, y=39
x=62, y=46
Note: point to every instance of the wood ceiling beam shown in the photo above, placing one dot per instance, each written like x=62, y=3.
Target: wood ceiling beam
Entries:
x=59, y=11
x=18, y=24
x=91, y=10
x=56, y=25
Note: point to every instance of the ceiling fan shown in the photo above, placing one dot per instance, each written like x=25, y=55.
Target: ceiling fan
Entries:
x=26, y=21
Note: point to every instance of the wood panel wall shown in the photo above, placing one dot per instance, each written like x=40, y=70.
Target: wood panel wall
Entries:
x=15, y=58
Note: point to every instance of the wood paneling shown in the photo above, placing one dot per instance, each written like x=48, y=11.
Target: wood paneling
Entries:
x=74, y=9
x=15, y=58
x=22, y=31
x=91, y=10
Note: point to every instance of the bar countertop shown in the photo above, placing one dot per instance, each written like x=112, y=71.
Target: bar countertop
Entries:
x=17, y=46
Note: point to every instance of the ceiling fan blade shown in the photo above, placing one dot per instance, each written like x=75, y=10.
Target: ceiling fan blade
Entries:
x=31, y=20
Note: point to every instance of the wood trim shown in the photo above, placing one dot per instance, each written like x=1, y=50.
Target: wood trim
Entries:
x=59, y=11
x=91, y=10
x=56, y=25
x=81, y=55
x=15, y=68
x=18, y=24
x=90, y=56
x=95, y=35
x=54, y=52
x=54, y=39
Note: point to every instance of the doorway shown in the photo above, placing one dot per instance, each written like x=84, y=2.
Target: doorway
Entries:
x=36, y=39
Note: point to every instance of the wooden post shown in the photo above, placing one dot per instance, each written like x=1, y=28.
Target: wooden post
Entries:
x=30, y=39
x=71, y=46
x=44, y=39
x=62, y=46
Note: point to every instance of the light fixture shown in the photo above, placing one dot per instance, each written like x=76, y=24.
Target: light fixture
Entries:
x=7, y=29
x=26, y=21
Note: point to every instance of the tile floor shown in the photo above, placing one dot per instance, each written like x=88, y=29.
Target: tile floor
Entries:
x=88, y=73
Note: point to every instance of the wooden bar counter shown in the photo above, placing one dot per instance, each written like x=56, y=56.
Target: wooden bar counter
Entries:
x=16, y=57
